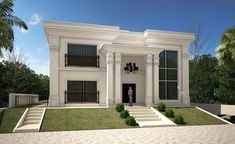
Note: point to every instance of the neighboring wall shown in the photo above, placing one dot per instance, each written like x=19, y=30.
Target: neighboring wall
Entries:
x=217, y=109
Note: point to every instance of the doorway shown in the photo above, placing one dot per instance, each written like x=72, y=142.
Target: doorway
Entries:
x=125, y=88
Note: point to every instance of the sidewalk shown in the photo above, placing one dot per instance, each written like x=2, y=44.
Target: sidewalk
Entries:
x=213, y=134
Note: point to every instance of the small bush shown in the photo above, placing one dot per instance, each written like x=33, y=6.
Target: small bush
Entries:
x=130, y=120
x=119, y=107
x=179, y=119
x=161, y=107
x=169, y=113
x=124, y=114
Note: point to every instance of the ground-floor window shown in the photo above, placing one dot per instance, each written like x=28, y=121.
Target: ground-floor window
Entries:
x=81, y=91
x=168, y=75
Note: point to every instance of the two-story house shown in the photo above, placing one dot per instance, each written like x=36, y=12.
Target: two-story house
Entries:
x=97, y=64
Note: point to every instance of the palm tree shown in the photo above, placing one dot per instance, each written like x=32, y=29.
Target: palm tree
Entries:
x=226, y=50
x=7, y=21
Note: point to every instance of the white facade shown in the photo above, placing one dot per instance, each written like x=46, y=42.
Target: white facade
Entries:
x=115, y=48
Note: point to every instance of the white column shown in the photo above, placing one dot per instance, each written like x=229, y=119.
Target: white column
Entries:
x=117, y=78
x=185, y=76
x=54, y=99
x=109, y=62
x=156, y=79
x=149, y=81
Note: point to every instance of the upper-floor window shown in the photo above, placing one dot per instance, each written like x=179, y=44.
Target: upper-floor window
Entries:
x=81, y=55
x=168, y=81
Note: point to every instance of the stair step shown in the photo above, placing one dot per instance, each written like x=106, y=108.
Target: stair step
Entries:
x=33, y=118
x=34, y=115
x=27, y=128
x=31, y=122
x=35, y=112
x=144, y=112
x=146, y=116
x=148, y=119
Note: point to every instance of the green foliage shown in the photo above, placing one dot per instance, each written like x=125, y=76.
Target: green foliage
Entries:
x=119, y=107
x=7, y=21
x=226, y=91
x=179, y=119
x=227, y=48
x=124, y=114
x=169, y=113
x=201, y=79
x=130, y=120
x=19, y=78
x=161, y=107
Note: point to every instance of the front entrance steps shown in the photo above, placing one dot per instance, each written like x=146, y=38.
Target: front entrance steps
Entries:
x=148, y=117
x=31, y=120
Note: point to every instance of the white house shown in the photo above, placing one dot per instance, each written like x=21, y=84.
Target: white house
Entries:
x=97, y=63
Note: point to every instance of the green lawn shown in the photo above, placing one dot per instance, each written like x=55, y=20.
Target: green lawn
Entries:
x=9, y=118
x=82, y=119
x=193, y=116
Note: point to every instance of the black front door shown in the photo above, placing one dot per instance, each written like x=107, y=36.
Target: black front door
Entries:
x=125, y=88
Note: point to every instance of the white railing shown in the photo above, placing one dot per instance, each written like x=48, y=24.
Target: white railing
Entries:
x=16, y=99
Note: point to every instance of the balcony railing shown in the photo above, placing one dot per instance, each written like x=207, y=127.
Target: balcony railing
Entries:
x=81, y=60
x=81, y=96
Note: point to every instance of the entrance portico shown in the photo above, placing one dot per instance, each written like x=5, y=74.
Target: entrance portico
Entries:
x=114, y=54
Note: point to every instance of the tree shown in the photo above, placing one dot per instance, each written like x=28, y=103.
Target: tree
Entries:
x=202, y=83
x=7, y=21
x=225, y=72
x=226, y=50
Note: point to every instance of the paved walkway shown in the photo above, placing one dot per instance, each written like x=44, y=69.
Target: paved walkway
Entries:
x=216, y=134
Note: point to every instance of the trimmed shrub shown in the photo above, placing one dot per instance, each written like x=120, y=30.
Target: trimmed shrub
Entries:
x=169, y=113
x=130, y=120
x=161, y=107
x=119, y=107
x=124, y=114
x=179, y=119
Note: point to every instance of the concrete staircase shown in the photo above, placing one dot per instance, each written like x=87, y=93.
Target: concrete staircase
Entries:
x=31, y=122
x=147, y=117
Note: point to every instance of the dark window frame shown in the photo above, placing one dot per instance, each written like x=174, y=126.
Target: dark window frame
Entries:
x=166, y=81
x=82, y=58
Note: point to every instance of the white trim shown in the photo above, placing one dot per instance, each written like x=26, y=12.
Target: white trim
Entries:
x=162, y=117
x=20, y=122
x=40, y=123
x=214, y=115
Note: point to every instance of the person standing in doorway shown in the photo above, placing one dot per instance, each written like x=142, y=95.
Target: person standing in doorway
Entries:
x=130, y=94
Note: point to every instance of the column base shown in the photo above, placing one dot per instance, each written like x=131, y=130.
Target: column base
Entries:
x=54, y=100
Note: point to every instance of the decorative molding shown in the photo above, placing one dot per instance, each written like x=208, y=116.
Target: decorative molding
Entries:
x=185, y=55
x=118, y=58
x=53, y=41
x=109, y=58
x=156, y=59
x=149, y=59
x=54, y=48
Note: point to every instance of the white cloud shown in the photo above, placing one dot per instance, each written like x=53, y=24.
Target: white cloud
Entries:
x=23, y=30
x=35, y=19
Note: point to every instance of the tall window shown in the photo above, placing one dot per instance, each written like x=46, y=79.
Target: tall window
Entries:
x=168, y=82
x=82, y=91
x=81, y=55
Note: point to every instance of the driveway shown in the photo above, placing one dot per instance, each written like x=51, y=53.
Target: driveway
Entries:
x=212, y=134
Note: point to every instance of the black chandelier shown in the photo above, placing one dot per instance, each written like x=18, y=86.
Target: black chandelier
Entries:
x=131, y=67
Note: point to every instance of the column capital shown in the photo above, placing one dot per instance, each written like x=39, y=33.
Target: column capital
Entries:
x=149, y=59
x=185, y=55
x=109, y=58
x=118, y=58
x=156, y=59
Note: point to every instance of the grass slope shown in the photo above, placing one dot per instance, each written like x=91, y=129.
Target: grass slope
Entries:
x=9, y=118
x=193, y=116
x=82, y=119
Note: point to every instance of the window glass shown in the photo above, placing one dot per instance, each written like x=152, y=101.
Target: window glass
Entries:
x=171, y=90
x=168, y=75
x=171, y=59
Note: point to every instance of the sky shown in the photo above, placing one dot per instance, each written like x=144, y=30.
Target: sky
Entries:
x=213, y=16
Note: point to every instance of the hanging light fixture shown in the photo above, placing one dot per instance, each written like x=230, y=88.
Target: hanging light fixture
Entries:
x=131, y=67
